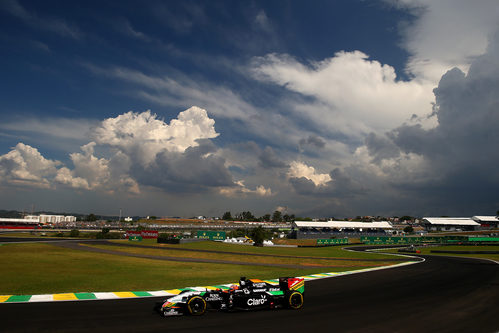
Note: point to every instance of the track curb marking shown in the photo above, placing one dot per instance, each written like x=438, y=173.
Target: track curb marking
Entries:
x=89, y=296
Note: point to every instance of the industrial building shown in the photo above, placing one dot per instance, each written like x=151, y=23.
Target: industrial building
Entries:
x=312, y=230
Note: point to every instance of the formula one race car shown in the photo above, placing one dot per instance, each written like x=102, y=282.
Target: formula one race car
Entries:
x=248, y=295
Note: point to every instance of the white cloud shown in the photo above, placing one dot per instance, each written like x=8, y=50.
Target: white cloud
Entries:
x=262, y=191
x=66, y=177
x=135, y=149
x=354, y=95
x=24, y=165
x=93, y=169
x=447, y=33
x=301, y=170
x=143, y=135
x=241, y=189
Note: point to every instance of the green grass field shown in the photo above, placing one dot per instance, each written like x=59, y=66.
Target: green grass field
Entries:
x=332, y=265
x=43, y=268
x=427, y=251
x=326, y=251
x=464, y=248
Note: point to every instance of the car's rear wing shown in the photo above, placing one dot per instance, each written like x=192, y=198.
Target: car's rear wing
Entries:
x=289, y=283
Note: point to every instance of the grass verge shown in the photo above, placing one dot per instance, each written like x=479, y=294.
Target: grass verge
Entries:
x=332, y=265
x=427, y=251
x=42, y=268
x=326, y=251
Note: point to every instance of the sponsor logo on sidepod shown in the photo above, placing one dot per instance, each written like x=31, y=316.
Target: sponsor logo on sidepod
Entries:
x=213, y=297
x=257, y=301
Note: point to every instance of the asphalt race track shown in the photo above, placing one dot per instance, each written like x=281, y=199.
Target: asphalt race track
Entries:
x=439, y=295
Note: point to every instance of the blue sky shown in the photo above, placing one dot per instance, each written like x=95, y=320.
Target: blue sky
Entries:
x=328, y=108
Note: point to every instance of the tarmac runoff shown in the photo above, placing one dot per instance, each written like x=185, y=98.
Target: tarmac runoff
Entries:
x=94, y=296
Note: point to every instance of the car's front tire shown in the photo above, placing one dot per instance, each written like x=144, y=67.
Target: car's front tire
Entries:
x=196, y=306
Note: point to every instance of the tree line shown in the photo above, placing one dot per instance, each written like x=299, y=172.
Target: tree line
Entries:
x=277, y=216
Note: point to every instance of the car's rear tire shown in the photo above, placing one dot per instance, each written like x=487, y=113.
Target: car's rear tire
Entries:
x=196, y=306
x=294, y=300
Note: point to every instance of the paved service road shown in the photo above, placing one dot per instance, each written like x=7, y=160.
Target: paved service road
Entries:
x=439, y=295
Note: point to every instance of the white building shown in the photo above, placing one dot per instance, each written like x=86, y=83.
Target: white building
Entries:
x=449, y=223
x=487, y=221
x=56, y=218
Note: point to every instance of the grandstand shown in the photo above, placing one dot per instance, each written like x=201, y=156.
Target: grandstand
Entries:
x=335, y=229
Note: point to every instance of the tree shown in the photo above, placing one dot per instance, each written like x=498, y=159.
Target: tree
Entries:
x=91, y=218
x=409, y=229
x=247, y=216
x=227, y=216
x=277, y=216
x=258, y=236
x=265, y=218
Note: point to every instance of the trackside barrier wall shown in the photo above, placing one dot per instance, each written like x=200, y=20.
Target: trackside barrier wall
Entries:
x=146, y=234
x=483, y=239
x=414, y=240
x=332, y=241
x=212, y=235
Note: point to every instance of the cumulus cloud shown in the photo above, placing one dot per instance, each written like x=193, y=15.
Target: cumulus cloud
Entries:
x=353, y=95
x=268, y=159
x=301, y=170
x=459, y=156
x=130, y=151
x=173, y=157
x=240, y=190
x=24, y=165
x=446, y=34
x=144, y=135
x=66, y=177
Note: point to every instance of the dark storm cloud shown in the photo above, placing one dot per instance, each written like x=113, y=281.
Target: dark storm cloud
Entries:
x=313, y=141
x=196, y=169
x=268, y=159
x=381, y=147
x=462, y=151
x=341, y=185
x=303, y=186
